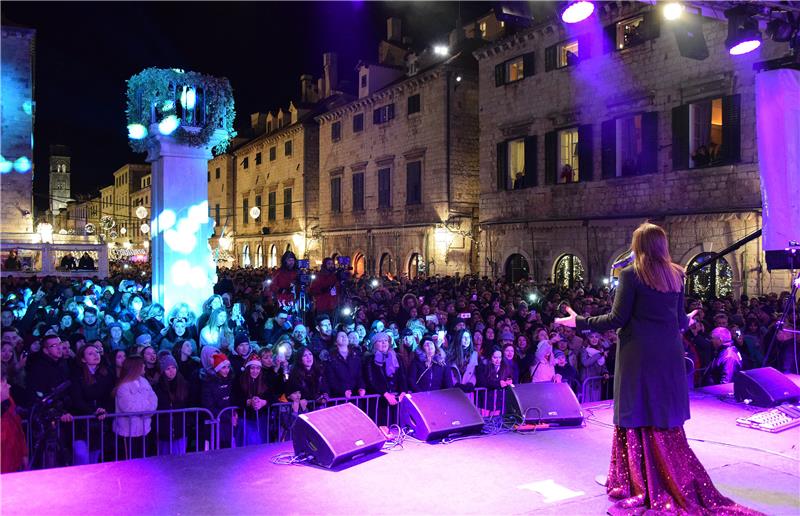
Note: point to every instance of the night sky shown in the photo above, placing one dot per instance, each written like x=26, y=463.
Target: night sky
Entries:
x=86, y=51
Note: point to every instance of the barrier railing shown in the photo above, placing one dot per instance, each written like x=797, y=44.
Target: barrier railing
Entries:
x=596, y=388
x=90, y=439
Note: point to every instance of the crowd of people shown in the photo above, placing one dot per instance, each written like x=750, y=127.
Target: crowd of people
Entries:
x=256, y=342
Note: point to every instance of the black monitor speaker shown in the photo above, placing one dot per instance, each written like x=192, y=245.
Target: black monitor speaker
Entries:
x=546, y=402
x=764, y=387
x=434, y=415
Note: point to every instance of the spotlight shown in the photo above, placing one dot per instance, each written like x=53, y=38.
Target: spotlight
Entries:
x=458, y=78
x=441, y=50
x=532, y=297
x=313, y=277
x=347, y=311
x=374, y=283
x=673, y=10
x=743, y=33
x=576, y=11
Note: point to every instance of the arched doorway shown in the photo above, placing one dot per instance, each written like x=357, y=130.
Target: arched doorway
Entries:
x=385, y=264
x=246, y=256
x=568, y=271
x=414, y=266
x=713, y=280
x=259, y=256
x=517, y=268
x=273, y=256
x=359, y=265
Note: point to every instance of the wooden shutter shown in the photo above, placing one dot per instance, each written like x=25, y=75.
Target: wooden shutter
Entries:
x=731, y=129
x=680, y=137
x=500, y=74
x=550, y=54
x=550, y=157
x=649, y=161
x=609, y=38
x=502, y=166
x=651, y=25
x=585, y=155
x=530, y=162
x=608, y=148
x=528, y=64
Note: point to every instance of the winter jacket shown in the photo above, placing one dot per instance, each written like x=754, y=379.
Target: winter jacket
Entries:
x=344, y=374
x=217, y=392
x=325, y=291
x=376, y=380
x=135, y=396
x=177, y=427
x=13, y=449
x=422, y=378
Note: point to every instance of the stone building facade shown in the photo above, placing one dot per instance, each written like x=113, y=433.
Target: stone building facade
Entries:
x=399, y=165
x=17, y=116
x=60, y=177
x=586, y=134
x=127, y=180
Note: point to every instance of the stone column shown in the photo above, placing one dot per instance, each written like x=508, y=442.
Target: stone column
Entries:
x=183, y=270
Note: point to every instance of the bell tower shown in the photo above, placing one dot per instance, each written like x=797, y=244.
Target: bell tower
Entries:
x=59, y=177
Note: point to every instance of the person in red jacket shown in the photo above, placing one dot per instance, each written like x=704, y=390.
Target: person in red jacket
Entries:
x=325, y=289
x=13, y=448
x=284, y=279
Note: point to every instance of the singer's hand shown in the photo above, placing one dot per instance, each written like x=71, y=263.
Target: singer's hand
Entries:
x=568, y=321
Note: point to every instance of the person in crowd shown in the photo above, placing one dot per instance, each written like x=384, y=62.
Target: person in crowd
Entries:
x=15, y=367
x=284, y=279
x=173, y=393
x=325, y=288
x=343, y=372
x=493, y=378
x=253, y=394
x=463, y=360
x=543, y=368
x=384, y=373
x=115, y=340
x=68, y=262
x=151, y=370
x=727, y=361
x=12, y=262
x=13, y=448
x=300, y=336
x=90, y=395
x=322, y=341
x=510, y=368
x=133, y=393
x=593, y=365
x=217, y=394
x=209, y=306
x=47, y=369
x=276, y=372
x=277, y=326
x=177, y=332
x=525, y=358
x=428, y=371
x=565, y=370
x=216, y=333
x=306, y=382
x=90, y=325
x=651, y=400
x=241, y=351
x=185, y=354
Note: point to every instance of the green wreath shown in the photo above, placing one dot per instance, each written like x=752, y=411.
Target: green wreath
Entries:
x=156, y=93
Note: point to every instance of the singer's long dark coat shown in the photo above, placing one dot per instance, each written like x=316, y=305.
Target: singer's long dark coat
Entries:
x=650, y=384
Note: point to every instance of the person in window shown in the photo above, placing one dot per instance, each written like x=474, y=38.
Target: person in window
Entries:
x=86, y=262
x=68, y=262
x=651, y=395
x=701, y=157
x=519, y=180
x=567, y=173
x=713, y=153
x=12, y=261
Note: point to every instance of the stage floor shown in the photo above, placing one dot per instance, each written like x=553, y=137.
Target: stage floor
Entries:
x=548, y=472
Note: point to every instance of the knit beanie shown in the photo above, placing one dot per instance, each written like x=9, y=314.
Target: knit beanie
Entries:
x=165, y=360
x=143, y=339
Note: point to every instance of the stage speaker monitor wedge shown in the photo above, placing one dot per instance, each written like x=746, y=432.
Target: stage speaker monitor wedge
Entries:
x=336, y=435
x=765, y=386
x=551, y=403
x=434, y=415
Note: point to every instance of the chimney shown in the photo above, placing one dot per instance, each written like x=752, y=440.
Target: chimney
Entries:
x=306, y=88
x=394, y=30
x=321, y=88
x=330, y=72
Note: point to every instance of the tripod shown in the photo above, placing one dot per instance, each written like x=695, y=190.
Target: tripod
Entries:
x=791, y=305
x=47, y=452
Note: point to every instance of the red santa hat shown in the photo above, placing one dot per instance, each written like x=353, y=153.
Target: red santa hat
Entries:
x=252, y=360
x=219, y=361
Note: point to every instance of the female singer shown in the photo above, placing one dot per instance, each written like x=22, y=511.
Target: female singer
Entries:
x=652, y=466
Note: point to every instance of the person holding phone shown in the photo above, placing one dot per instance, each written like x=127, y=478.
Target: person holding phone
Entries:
x=651, y=461
x=325, y=288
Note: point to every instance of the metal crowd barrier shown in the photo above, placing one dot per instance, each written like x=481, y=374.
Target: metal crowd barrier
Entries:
x=596, y=388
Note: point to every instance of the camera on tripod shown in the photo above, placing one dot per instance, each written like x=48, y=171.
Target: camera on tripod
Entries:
x=44, y=418
x=343, y=268
x=304, y=274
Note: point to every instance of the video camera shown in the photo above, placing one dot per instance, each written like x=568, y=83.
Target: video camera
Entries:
x=343, y=268
x=303, y=274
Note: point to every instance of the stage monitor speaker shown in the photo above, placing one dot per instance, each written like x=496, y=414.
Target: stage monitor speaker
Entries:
x=434, y=415
x=336, y=435
x=552, y=403
x=690, y=38
x=765, y=386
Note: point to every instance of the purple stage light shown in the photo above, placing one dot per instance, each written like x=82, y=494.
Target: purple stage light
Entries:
x=577, y=11
x=744, y=47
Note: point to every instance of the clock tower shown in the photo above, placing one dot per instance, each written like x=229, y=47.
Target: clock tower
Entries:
x=59, y=177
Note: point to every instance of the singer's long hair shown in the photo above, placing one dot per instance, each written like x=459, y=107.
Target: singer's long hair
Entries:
x=652, y=262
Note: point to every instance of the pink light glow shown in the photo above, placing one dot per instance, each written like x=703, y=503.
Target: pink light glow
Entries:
x=577, y=12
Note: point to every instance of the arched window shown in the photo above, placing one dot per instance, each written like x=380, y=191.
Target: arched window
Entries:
x=517, y=268
x=385, y=264
x=359, y=265
x=414, y=266
x=246, y=256
x=568, y=271
x=273, y=256
x=259, y=256
x=713, y=280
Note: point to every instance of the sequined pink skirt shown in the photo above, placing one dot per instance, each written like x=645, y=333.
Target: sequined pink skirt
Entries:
x=654, y=471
